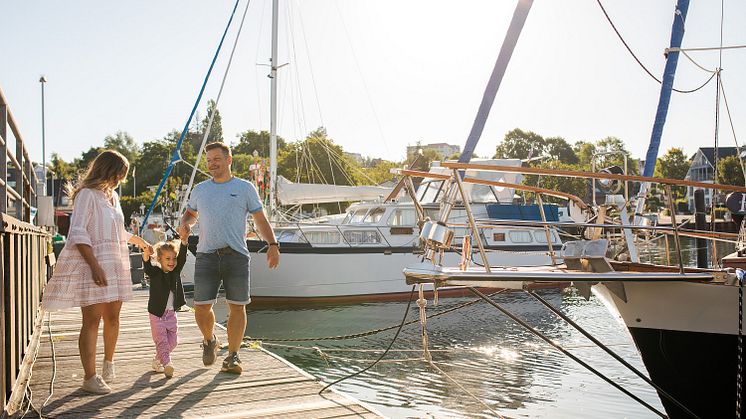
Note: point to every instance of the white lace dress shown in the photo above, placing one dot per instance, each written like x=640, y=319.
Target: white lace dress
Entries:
x=99, y=223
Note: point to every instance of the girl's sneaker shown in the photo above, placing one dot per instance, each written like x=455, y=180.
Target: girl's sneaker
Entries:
x=168, y=370
x=96, y=385
x=157, y=366
x=107, y=371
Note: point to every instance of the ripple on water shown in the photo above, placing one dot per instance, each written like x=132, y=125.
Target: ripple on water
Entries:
x=507, y=367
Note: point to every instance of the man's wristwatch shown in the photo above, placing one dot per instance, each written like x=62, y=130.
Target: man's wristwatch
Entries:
x=274, y=244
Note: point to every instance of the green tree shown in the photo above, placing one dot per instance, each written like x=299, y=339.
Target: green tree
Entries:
x=87, y=157
x=518, y=144
x=730, y=171
x=560, y=150
x=123, y=143
x=250, y=140
x=576, y=186
x=427, y=156
x=673, y=165
x=156, y=156
x=584, y=151
x=317, y=160
x=380, y=173
x=216, y=131
x=62, y=169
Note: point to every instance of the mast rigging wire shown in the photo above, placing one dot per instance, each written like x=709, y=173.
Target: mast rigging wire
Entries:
x=175, y=155
x=619, y=35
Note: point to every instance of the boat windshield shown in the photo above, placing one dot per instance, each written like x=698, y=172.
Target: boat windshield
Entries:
x=374, y=216
x=355, y=216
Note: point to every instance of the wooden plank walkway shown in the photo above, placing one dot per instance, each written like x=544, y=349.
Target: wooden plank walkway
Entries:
x=269, y=386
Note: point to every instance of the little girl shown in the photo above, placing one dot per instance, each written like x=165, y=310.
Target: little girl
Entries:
x=166, y=297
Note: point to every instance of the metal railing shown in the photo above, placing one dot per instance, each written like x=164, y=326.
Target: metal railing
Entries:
x=23, y=251
x=20, y=198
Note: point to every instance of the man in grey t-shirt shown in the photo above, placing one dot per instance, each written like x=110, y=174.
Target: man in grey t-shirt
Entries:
x=223, y=204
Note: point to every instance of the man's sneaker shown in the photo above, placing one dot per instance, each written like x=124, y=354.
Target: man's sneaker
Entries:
x=107, y=371
x=96, y=385
x=210, y=351
x=168, y=370
x=232, y=364
x=157, y=366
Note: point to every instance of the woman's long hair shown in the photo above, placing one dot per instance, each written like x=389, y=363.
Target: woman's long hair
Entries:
x=104, y=172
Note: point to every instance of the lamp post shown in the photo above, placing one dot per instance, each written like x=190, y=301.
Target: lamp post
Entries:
x=43, y=81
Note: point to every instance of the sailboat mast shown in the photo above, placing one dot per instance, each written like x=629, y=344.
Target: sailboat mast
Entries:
x=488, y=98
x=273, y=115
x=672, y=60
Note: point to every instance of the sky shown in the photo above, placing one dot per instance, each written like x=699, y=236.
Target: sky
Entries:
x=378, y=74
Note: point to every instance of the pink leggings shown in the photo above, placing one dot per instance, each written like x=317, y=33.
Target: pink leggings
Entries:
x=164, y=330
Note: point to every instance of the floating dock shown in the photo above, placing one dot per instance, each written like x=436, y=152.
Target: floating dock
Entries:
x=269, y=386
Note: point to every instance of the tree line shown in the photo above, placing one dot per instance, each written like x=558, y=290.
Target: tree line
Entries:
x=318, y=159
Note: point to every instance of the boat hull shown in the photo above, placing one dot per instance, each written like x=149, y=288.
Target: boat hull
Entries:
x=348, y=274
x=686, y=334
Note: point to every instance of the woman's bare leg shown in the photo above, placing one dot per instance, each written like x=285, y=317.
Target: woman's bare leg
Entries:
x=88, y=335
x=111, y=328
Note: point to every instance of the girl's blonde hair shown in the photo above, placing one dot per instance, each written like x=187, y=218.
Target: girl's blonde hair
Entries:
x=105, y=172
x=169, y=246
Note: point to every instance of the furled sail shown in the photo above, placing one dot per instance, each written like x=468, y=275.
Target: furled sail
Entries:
x=290, y=193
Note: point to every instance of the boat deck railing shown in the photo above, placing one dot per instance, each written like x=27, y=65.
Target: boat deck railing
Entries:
x=598, y=214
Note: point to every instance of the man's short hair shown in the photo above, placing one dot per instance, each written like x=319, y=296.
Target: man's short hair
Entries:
x=218, y=144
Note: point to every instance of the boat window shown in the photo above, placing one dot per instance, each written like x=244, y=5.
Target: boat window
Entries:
x=362, y=237
x=520, y=236
x=431, y=191
x=322, y=237
x=498, y=237
x=289, y=236
x=433, y=213
x=403, y=217
x=358, y=216
x=374, y=216
x=540, y=236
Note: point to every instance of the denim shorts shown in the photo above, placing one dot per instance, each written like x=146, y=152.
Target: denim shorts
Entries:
x=223, y=265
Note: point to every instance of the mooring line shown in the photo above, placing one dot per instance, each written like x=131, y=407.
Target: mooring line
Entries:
x=610, y=352
x=561, y=349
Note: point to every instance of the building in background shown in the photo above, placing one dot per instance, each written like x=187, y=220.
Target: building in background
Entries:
x=443, y=149
x=702, y=169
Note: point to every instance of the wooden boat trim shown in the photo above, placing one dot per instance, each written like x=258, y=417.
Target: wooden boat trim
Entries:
x=573, y=173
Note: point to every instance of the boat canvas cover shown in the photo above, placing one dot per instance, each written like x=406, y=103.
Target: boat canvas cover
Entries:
x=484, y=193
x=290, y=193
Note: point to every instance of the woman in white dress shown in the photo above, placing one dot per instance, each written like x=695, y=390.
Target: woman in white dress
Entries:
x=93, y=270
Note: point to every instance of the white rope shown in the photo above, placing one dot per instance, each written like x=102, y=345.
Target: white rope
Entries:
x=422, y=304
x=212, y=117
x=698, y=65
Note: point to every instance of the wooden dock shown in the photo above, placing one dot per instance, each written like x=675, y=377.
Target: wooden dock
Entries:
x=269, y=386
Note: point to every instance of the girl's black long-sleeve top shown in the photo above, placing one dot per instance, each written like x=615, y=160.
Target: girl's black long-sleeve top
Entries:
x=161, y=283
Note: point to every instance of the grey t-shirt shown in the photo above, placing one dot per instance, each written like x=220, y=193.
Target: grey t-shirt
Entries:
x=223, y=209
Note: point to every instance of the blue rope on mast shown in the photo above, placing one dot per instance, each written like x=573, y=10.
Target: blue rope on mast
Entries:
x=176, y=156
x=677, y=35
